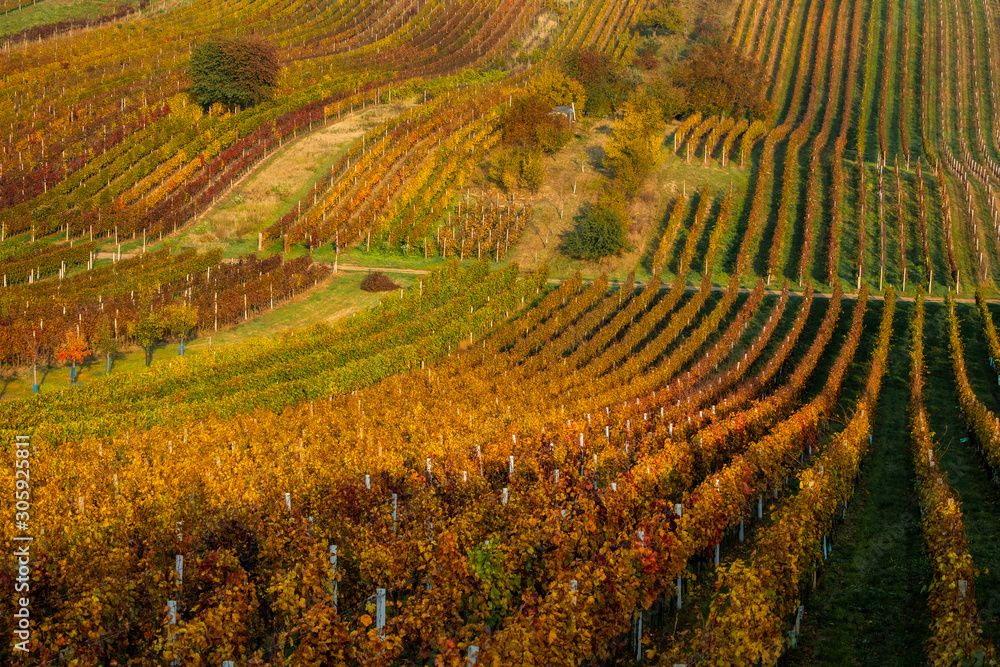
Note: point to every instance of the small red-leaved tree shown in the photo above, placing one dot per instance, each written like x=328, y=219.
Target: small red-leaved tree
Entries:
x=73, y=349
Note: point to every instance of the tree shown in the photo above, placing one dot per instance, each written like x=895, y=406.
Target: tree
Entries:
x=718, y=79
x=664, y=16
x=600, y=232
x=504, y=170
x=634, y=148
x=532, y=173
x=671, y=99
x=235, y=71
x=104, y=341
x=708, y=29
x=73, y=349
x=602, y=78
x=30, y=352
x=530, y=124
x=557, y=89
x=180, y=319
x=147, y=331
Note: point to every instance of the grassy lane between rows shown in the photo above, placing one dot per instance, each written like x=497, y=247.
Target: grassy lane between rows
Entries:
x=336, y=297
x=967, y=471
x=869, y=607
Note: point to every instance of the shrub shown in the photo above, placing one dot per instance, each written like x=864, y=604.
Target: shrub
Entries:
x=378, y=282
x=599, y=232
x=647, y=60
x=510, y=169
x=233, y=71
x=708, y=29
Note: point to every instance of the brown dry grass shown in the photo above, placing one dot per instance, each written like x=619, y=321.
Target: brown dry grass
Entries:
x=261, y=197
x=540, y=33
x=540, y=241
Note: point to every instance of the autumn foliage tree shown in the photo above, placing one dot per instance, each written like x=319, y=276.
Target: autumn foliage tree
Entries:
x=529, y=127
x=104, y=341
x=634, y=149
x=73, y=350
x=718, y=79
x=180, y=319
x=147, y=331
x=530, y=124
x=505, y=169
x=558, y=89
x=235, y=71
x=602, y=78
x=663, y=15
x=30, y=351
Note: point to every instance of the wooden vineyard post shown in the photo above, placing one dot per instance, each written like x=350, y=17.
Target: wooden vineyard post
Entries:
x=333, y=579
x=793, y=634
x=637, y=632
x=171, y=629
x=380, y=611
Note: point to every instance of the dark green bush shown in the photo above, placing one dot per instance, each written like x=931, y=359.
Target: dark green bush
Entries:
x=600, y=231
x=235, y=71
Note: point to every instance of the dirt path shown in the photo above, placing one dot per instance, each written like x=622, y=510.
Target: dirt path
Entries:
x=383, y=269
x=639, y=285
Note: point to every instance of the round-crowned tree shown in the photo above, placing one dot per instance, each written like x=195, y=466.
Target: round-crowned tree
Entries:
x=600, y=231
x=235, y=71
